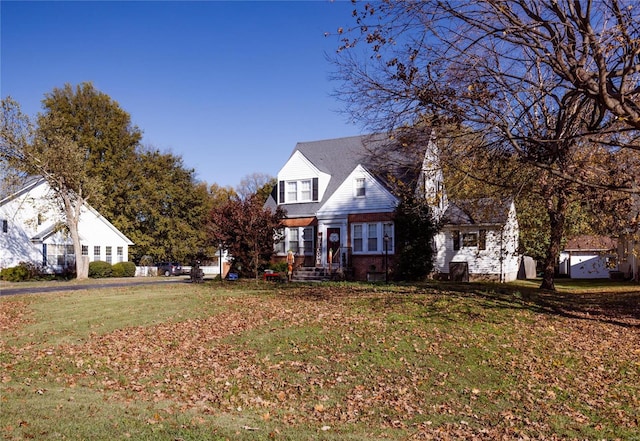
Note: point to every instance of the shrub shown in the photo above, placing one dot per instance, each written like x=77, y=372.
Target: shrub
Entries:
x=99, y=269
x=23, y=272
x=279, y=267
x=123, y=269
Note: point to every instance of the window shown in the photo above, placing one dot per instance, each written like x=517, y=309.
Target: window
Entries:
x=470, y=240
x=292, y=191
x=5, y=226
x=387, y=232
x=300, y=240
x=307, y=238
x=279, y=238
x=482, y=240
x=293, y=240
x=305, y=190
x=372, y=237
x=120, y=252
x=60, y=255
x=357, y=239
x=369, y=237
x=85, y=250
x=107, y=251
x=96, y=252
x=456, y=239
x=360, y=188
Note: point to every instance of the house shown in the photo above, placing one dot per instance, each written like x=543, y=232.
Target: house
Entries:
x=480, y=238
x=340, y=212
x=589, y=257
x=31, y=222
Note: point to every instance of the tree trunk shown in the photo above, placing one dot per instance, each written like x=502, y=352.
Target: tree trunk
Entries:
x=72, y=208
x=557, y=217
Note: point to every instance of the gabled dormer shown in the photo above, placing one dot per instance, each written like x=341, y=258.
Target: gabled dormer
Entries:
x=431, y=181
x=299, y=181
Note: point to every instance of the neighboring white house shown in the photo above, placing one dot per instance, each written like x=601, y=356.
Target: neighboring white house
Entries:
x=340, y=211
x=31, y=221
x=589, y=257
x=479, y=238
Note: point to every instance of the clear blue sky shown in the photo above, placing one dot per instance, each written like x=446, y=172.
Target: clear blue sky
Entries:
x=229, y=86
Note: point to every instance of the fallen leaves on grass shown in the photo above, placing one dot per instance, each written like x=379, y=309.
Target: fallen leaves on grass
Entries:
x=431, y=364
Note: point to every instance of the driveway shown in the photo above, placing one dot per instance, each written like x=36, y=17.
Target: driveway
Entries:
x=7, y=289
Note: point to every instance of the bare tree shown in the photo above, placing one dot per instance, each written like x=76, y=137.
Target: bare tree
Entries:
x=514, y=73
x=256, y=183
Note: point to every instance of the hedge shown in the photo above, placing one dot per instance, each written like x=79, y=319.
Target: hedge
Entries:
x=123, y=269
x=99, y=269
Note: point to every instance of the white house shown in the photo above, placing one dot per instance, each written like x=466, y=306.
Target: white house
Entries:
x=589, y=257
x=340, y=211
x=31, y=219
x=479, y=239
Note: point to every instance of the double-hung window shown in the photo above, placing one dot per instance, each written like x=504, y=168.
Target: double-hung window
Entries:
x=292, y=191
x=360, y=188
x=294, y=240
x=370, y=237
x=305, y=190
x=298, y=190
x=300, y=240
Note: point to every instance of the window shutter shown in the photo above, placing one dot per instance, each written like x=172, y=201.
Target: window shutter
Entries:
x=281, y=188
x=314, y=189
x=456, y=240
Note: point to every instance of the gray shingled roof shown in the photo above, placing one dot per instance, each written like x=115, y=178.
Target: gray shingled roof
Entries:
x=484, y=211
x=337, y=157
x=340, y=156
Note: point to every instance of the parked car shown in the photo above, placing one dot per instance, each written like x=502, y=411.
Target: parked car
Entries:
x=169, y=268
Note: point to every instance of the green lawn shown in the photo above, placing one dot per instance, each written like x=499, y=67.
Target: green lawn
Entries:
x=255, y=361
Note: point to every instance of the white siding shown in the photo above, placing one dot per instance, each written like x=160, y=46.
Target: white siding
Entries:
x=344, y=201
x=298, y=167
x=35, y=211
x=499, y=259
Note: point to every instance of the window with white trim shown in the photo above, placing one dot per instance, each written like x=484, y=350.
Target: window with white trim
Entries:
x=299, y=191
x=369, y=237
x=96, y=252
x=292, y=191
x=279, y=245
x=293, y=240
x=120, y=253
x=300, y=240
x=108, y=257
x=360, y=188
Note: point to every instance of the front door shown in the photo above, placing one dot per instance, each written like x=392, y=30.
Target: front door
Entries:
x=333, y=245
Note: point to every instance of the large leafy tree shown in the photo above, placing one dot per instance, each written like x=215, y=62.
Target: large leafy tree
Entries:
x=105, y=136
x=246, y=230
x=165, y=209
x=506, y=71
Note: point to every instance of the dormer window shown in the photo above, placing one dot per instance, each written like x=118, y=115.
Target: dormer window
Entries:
x=360, y=189
x=292, y=191
x=301, y=190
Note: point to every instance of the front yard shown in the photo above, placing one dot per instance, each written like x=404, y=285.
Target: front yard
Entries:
x=332, y=361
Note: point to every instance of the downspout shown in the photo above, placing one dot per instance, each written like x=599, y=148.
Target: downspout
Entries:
x=502, y=254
